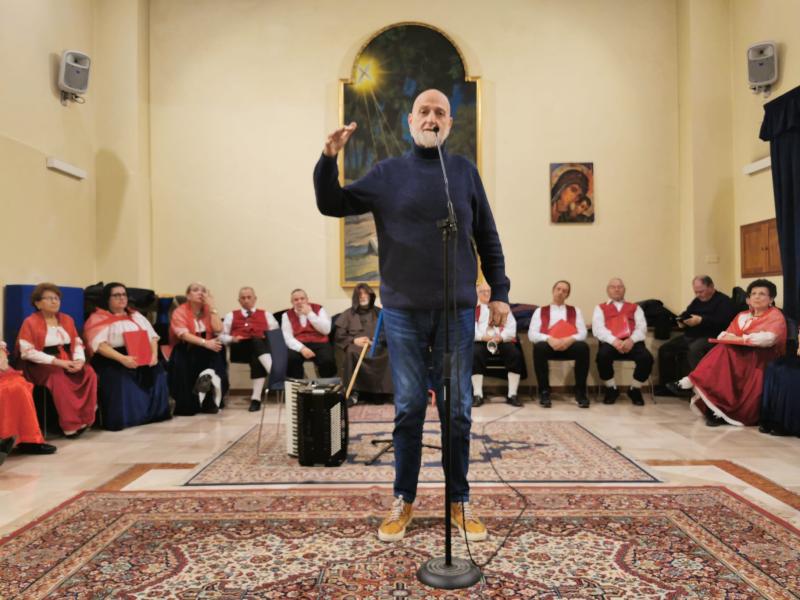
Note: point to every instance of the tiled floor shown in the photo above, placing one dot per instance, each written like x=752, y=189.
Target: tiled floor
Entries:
x=666, y=433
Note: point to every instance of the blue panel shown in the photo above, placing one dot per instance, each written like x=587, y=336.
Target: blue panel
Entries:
x=17, y=306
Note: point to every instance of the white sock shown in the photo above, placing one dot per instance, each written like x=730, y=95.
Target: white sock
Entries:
x=513, y=383
x=266, y=361
x=258, y=387
x=610, y=383
x=636, y=384
x=685, y=384
x=477, y=385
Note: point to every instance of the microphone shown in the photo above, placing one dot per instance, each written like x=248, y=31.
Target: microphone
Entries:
x=435, y=129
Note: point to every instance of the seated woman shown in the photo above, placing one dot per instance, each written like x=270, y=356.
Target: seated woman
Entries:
x=17, y=412
x=53, y=356
x=355, y=328
x=193, y=328
x=132, y=385
x=727, y=383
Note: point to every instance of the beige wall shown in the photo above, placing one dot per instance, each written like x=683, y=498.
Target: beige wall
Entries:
x=755, y=21
x=204, y=120
x=240, y=104
x=48, y=219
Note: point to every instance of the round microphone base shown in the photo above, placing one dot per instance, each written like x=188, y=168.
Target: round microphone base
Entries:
x=460, y=574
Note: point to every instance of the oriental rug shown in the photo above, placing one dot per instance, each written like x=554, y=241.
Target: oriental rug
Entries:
x=624, y=543
x=521, y=452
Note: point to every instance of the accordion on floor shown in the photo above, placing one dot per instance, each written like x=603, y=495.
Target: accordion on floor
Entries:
x=317, y=427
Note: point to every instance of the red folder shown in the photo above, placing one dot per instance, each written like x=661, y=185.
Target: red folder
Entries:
x=728, y=341
x=138, y=345
x=562, y=329
x=618, y=326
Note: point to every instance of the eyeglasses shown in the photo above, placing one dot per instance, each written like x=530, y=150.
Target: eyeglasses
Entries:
x=50, y=298
x=119, y=295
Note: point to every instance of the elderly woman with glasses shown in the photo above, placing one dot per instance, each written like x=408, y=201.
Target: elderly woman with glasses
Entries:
x=53, y=356
x=132, y=385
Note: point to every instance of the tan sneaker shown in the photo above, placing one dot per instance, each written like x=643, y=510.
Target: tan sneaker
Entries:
x=394, y=526
x=476, y=530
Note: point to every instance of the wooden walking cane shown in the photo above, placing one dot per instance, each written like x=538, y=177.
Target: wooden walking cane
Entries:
x=355, y=372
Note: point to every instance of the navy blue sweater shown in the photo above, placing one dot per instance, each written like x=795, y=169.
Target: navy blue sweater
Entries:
x=406, y=196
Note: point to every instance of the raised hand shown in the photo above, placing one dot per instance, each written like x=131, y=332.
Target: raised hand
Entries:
x=337, y=140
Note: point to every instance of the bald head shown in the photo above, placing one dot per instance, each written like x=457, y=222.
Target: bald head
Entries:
x=431, y=109
x=616, y=289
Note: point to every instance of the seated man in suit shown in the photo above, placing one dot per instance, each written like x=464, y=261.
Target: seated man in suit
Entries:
x=245, y=329
x=706, y=317
x=305, y=328
x=558, y=333
x=621, y=328
x=489, y=341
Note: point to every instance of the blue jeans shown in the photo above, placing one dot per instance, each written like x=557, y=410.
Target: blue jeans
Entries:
x=416, y=346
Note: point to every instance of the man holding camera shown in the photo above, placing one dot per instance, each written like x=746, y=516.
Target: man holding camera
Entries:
x=706, y=316
x=489, y=341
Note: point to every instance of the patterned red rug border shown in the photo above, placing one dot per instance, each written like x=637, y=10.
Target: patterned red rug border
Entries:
x=423, y=491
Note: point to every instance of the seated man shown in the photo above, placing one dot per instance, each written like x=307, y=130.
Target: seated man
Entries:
x=620, y=327
x=558, y=333
x=246, y=329
x=706, y=317
x=489, y=341
x=305, y=328
x=355, y=328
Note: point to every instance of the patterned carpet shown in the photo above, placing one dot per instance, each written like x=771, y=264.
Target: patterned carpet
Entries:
x=540, y=452
x=631, y=543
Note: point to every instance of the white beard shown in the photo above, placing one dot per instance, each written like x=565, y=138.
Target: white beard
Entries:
x=427, y=139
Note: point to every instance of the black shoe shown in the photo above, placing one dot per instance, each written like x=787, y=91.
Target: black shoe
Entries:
x=635, y=394
x=27, y=448
x=765, y=428
x=209, y=406
x=544, y=399
x=6, y=445
x=255, y=405
x=713, y=420
x=611, y=395
x=676, y=390
x=477, y=401
x=779, y=431
x=77, y=434
x=514, y=401
x=582, y=399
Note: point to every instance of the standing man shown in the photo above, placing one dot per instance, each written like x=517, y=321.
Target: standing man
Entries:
x=494, y=340
x=558, y=332
x=406, y=195
x=621, y=328
x=305, y=329
x=245, y=331
x=706, y=317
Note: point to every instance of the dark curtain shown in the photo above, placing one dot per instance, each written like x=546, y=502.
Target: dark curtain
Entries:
x=781, y=128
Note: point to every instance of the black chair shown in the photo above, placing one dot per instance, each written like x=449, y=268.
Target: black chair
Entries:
x=46, y=412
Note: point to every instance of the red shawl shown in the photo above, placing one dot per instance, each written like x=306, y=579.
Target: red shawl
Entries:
x=34, y=330
x=99, y=320
x=772, y=321
x=183, y=318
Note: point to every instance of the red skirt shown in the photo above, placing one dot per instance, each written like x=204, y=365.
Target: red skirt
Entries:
x=17, y=412
x=74, y=394
x=729, y=380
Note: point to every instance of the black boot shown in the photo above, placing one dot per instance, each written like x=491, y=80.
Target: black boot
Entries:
x=544, y=399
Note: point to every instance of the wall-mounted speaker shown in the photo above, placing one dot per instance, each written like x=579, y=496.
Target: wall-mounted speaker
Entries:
x=73, y=74
x=762, y=65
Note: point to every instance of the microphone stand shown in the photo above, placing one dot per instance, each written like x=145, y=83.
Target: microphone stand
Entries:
x=447, y=573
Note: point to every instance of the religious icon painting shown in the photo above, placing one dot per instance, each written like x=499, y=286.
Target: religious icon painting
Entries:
x=572, y=193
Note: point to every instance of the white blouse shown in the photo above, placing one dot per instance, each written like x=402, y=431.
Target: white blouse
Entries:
x=56, y=336
x=112, y=334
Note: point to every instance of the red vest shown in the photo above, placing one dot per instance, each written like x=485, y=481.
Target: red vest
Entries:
x=253, y=326
x=307, y=333
x=620, y=323
x=571, y=317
